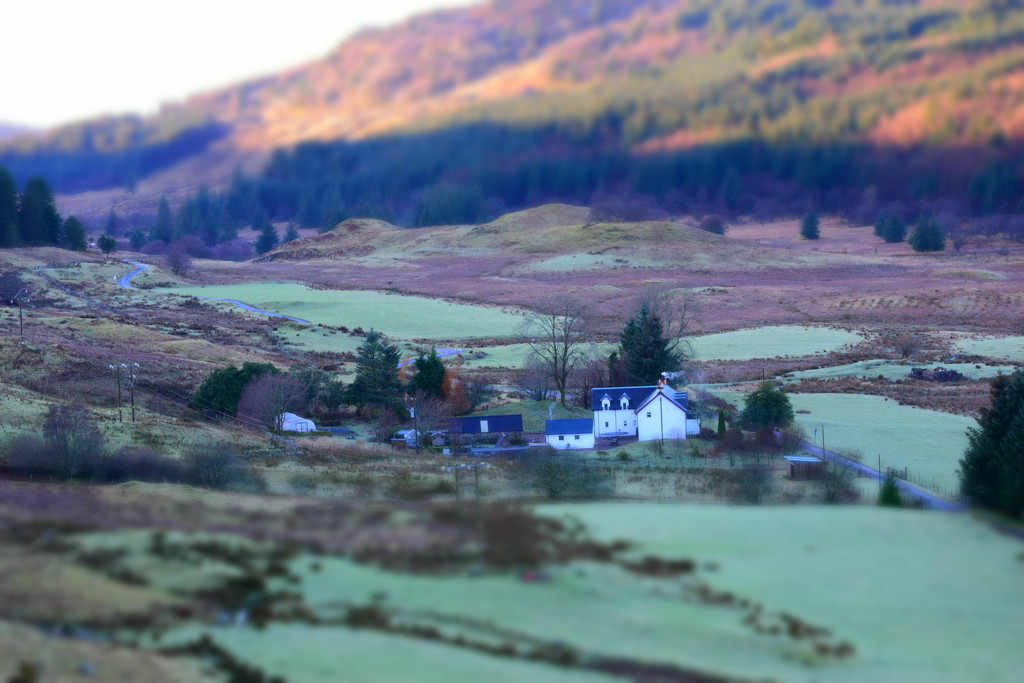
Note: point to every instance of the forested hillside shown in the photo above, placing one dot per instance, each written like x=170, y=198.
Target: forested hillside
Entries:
x=763, y=106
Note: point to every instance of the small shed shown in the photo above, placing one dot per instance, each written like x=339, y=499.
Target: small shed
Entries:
x=566, y=434
x=290, y=422
x=804, y=467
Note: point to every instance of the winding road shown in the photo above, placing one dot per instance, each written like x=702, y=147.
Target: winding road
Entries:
x=909, y=490
x=125, y=281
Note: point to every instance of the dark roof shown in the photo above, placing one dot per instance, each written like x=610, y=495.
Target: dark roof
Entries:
x=575, y=426
x=677, y=398
x=635, y=394
x=495, y=423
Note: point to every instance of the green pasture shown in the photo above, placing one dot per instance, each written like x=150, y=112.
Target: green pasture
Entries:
x=772, y=341
x=895, y=370
x=1005, y=348
x=927, y=442
x=301, y=654
x=396, y=315
x=923, y=596
x=756, y=342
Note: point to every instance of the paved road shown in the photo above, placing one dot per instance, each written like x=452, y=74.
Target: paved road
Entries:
x=909, y=490
x=125, y=281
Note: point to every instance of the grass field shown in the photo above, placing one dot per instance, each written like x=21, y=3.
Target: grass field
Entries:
x=895, y=370
x=772, y=341
x=399, y=316
x=921, y=596
x=927, y=442
x=1007, y=348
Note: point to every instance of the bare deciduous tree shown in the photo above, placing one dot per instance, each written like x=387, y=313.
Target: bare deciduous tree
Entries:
x=590, y=373
x=557, y=334
x=534, y=380
x=428, y=412
x=265, y=398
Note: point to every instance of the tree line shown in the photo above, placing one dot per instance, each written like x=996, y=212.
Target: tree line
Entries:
x=30, y=218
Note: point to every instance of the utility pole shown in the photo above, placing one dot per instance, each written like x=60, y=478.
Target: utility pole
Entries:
x=117, y=368
x=131, y=387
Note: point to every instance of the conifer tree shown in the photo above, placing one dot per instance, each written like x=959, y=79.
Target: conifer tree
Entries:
x=37, y=216
x=292, y=233
x=810, y=228
x=113, y=223
x=10, y=236
x=890, y=228
x=889, y=495
x=643, y=345
x=74, y=234
x=928, y=235
x=992, y=469
x=377, y=384
x=163, y=229
x=268, y=236
x=429, y=377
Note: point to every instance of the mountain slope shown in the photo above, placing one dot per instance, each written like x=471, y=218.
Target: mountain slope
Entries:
x=639, y=76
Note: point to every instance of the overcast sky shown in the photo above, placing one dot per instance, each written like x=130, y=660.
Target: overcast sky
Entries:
x=63, y=60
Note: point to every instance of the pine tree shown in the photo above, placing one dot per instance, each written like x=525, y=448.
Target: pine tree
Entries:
x=377, y=383
x=889, y=495
x=37, y=216
x=429, y=377
x=810, y=226
x=74, y=234
x=928, y=235
x=268, y=236
x=163, y=229
x=10, y=236
x=992, y=469
x=721, y=424
x=291, y=234
x=113, y=224
x=890, y=228
x=643, y=345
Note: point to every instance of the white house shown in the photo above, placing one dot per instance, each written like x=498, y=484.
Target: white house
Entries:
x=290, y=422
x=648, y=413
x=569, y=434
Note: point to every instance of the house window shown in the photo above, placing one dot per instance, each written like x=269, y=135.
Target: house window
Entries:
x=577, y=437
x=648, y=413
x=483, y=426
x=605, y=424
x=561, y=437
x=624, y=402
x=625, y=424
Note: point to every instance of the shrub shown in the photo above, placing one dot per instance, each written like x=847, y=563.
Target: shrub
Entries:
x=753, y=483
x=71, y=433
x=216, y=465
x=563, y=475
x=713, y=224
x=766, y=406
x=136, y=463
x=29, y=456
x=836, y=483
